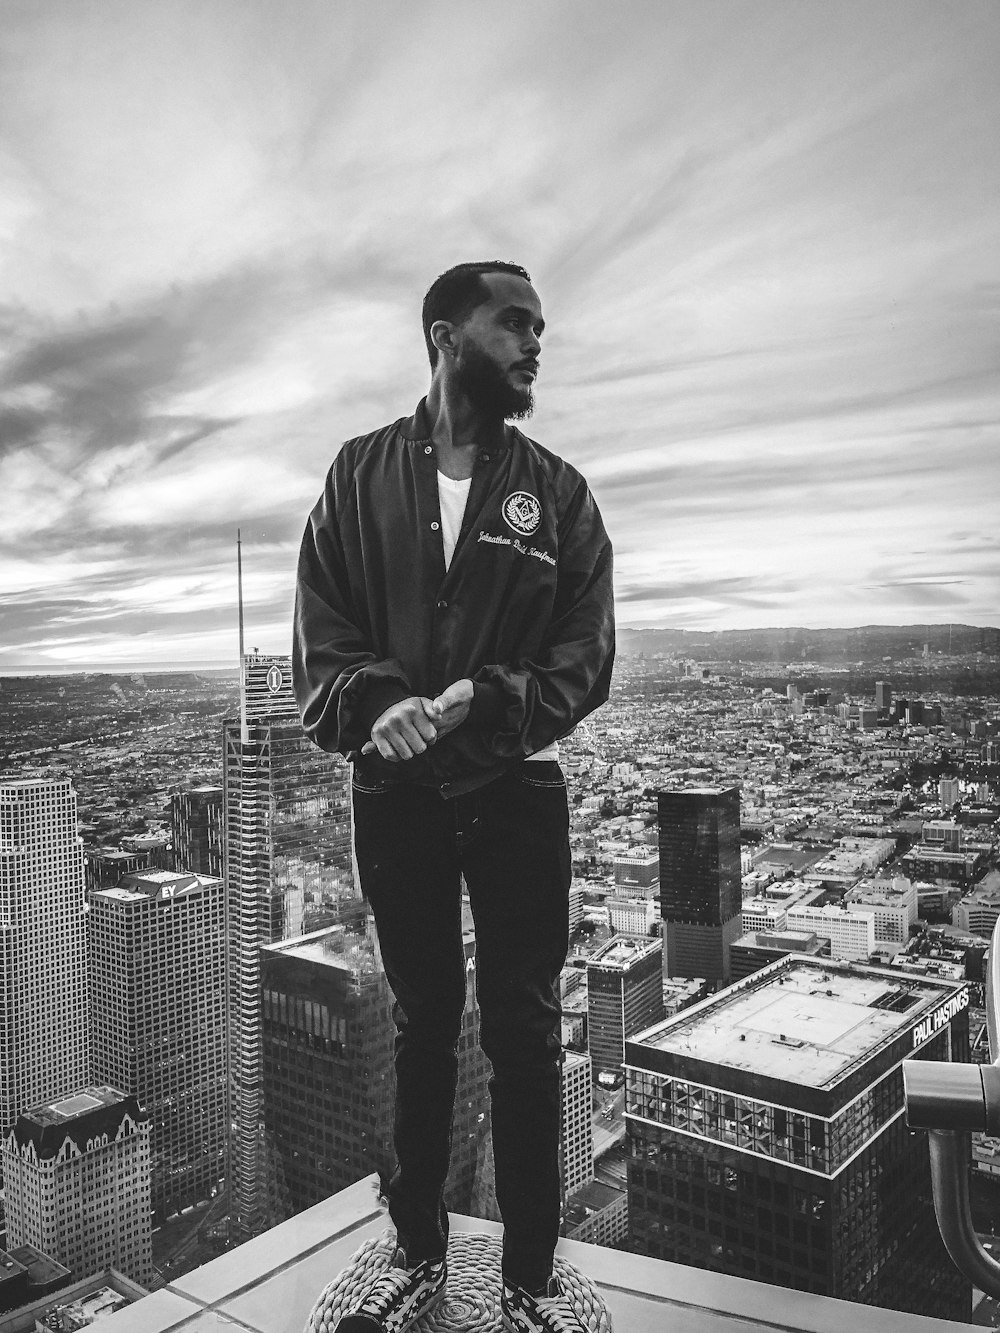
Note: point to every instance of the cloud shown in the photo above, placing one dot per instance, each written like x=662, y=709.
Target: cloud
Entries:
x=733, y=591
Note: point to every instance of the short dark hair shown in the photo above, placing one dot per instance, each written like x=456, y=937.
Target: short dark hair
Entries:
x=456, y=293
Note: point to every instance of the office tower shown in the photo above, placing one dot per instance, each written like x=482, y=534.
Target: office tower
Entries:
x=577, y=1147
x=977, y=912
x=44, y=1020
x=943, y=833
x=637, y=869
x=624, y=994
x=767, y=1136
x=598, y=1214
x=700, y=887
x=883, y=696
x=915, y=713
x=949, y=792
x=751, y=952
x=630, y=916
x=893, y=903
x=76, y=1176
x=850, y=930
x=104, y=867
x=197, y=827
x=576, y=904
x=155, y=847
x=158, y=1000
x=327, y=1040
x=288, y=834
x=327, y=1044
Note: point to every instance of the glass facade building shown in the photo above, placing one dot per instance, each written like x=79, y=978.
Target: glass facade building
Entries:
x=328, y=1083
x=767, y=1136
x=700, y=881
x=287, y=835
x=624, y=994
x=197, y=829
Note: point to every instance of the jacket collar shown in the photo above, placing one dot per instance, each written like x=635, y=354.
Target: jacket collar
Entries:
x=417, y=428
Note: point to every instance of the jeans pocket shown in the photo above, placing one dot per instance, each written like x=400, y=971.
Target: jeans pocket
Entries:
x=542, y=773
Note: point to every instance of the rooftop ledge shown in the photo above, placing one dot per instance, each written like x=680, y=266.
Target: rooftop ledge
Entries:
x=270, y=1284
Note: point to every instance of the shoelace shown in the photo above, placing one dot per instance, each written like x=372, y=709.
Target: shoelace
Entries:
x=559, y=1313
x=389, y=1286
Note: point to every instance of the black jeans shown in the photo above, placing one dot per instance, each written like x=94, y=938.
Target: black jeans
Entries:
x=510, y=839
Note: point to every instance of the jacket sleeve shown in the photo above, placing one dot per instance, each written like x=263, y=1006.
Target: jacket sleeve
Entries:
x=526, y=705
x=341, y=686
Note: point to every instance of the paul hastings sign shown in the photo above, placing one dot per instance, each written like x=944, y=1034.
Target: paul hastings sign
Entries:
x=940, y=1017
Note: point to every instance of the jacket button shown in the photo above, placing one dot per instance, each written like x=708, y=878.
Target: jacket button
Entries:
x=484, y=458
x=435, y=526
x=442, y=605
x=428, y=448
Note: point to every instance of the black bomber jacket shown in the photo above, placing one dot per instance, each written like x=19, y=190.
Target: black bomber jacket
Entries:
x=525, y=609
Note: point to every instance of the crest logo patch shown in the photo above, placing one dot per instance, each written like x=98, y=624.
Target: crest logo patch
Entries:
x=522, y=512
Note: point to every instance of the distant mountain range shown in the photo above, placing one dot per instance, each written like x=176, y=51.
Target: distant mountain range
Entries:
x=867, y=643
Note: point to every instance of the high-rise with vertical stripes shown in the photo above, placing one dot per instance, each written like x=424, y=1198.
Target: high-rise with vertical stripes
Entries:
x=44, y=1019
x=287, y=837
x=700, y=885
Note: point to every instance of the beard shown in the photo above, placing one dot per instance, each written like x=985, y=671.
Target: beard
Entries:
x=483, y=382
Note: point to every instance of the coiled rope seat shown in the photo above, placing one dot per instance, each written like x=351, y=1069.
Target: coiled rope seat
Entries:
x=472, y=1300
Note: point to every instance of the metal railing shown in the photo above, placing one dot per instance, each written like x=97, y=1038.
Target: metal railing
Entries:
x=950, y=1101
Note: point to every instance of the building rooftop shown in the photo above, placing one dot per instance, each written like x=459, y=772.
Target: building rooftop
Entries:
x=270, y=1285
x=623, y=951
x=82, y=1117
x=800, y=1020
x=333, y=946
x=986, y=895
x=157, y=884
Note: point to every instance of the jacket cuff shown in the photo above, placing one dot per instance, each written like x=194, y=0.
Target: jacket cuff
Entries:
x=487, y=705
x=378, y=696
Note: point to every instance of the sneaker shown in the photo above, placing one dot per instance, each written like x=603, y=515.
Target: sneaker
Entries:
x=397, y=1297
x=521, y=1312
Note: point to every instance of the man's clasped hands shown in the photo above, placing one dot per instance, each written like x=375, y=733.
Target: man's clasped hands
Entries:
x=409, y=727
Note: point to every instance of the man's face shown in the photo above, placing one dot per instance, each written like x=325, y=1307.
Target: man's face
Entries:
x=498, y=346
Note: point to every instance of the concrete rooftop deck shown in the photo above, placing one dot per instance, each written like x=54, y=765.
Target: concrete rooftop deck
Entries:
x=270, y=1284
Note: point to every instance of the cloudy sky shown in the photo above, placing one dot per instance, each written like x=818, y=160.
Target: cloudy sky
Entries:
x=764, y=235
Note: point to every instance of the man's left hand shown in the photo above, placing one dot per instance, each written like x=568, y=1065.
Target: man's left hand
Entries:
x=451, y=707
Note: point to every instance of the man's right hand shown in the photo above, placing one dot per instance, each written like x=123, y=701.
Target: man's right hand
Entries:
x=404, y=730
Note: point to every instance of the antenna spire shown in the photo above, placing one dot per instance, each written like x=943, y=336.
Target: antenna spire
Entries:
x=244, y=730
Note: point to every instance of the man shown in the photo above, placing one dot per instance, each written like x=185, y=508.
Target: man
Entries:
x=453, y=620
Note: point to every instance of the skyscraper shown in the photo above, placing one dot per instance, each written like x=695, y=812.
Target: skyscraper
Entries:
x=624, y=994
x=76, y=1176
x=883, y=696
x=767, y=1136
x=700, y=884
x=577, y=1158
x=197, y=827
x=327, y=1044
x=157, y=967
x=288, y=834
x=44, y=1020
x=328, y=1083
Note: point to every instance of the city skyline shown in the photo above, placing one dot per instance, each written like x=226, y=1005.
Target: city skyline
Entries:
x=762, y=234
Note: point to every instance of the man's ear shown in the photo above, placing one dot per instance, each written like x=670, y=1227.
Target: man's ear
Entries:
x=443, y=336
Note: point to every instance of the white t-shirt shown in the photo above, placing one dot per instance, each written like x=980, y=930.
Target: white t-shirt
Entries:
x=452, y=498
